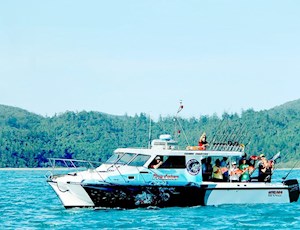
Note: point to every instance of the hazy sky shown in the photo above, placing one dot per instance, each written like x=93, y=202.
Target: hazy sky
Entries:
x=133, y=56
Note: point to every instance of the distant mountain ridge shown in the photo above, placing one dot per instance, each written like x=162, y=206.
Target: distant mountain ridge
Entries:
x=28, y=139
x=294, y=105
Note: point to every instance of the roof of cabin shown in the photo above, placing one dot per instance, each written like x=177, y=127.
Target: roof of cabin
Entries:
x=168, y=152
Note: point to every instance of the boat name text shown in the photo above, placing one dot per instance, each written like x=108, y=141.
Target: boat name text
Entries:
x=165, y=177
x=275, y=193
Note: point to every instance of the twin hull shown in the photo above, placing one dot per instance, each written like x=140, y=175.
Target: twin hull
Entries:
x=208, y=193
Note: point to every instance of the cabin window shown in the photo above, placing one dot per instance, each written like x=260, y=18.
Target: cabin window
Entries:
x=120, y=158
x=140, y=160
x=114, y=158
x=177, y=162
x=125, y=158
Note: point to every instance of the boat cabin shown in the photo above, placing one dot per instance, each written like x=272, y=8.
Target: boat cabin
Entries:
x=137, y=165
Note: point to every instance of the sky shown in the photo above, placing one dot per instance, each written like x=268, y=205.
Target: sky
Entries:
x=140, y=56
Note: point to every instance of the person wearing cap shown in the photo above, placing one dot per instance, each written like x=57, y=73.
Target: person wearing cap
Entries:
x=264, y=169
x=235, y=172
x=156, y=163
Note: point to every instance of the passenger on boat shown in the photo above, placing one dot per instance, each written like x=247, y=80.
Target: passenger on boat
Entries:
x=248, y=161
x=224, y=168
x=252, y=160
x=265, y=169
x=203, y=142
x=156, y=163
x=208, y=170
x=217, y=175
x=245, y=177
x=235, y=172
x=203, y=164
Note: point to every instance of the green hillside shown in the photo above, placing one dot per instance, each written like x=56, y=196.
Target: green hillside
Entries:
x=27, y=139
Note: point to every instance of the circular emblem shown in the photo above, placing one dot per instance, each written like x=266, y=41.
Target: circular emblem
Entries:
x=193, y=167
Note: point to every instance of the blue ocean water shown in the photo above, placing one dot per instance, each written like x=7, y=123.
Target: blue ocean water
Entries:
x=28, y=202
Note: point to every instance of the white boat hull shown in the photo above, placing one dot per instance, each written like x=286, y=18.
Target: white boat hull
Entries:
x=71, y=194
x=245, y=193
x=206, y=193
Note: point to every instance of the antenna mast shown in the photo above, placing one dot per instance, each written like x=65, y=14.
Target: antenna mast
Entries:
x=176, y=119
x=149, y=134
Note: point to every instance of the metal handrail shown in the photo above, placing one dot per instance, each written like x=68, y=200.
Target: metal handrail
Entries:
x=73, y=166
x=74, y=160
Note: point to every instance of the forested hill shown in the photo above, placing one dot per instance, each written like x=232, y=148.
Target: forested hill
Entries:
x=27, y=139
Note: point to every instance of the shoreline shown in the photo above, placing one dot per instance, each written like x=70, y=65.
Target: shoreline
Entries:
x=50, y=169
x=32, y=169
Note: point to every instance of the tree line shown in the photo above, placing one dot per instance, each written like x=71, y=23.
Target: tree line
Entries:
x=28, y=139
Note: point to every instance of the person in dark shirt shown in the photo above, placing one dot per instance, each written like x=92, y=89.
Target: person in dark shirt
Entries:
x=265, y=169
x=156, y=163
x=208, y=170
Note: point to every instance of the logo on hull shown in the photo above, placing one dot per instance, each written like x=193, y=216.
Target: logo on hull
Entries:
x=193, y=167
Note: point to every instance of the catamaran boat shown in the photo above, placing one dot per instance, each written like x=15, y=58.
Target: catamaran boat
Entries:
x=129, y=180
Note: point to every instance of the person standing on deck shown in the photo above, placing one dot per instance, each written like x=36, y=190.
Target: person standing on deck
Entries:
x=217, y=175
x=224, y=168
x=245, y=177
x=235, y=173
x=265, y=169
x=208, y=170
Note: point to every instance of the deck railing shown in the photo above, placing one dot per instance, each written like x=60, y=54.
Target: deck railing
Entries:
x=60, y=164
x=72, y=164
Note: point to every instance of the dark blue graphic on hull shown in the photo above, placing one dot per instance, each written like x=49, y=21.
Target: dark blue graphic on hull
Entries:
x=142, y=196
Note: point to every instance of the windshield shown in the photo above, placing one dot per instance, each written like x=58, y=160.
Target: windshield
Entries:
x=140, y=160
x=114, y=158
x=120, y=158
x=125, y=158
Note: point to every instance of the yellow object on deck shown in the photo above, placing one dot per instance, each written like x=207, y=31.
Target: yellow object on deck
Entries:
x=195, y=148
